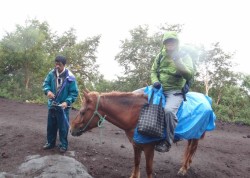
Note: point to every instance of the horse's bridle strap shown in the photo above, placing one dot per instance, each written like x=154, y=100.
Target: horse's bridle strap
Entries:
x=101, y=118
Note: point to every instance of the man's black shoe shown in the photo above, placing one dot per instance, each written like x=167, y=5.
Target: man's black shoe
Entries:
x=62, y=149
x=163, y=146
x=177, y=140
x=48, y=146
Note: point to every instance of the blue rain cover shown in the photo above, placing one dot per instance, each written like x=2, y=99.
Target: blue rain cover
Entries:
x=195, y=116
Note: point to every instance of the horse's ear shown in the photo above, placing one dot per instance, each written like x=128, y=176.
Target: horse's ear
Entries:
x=86, y=95
x=86, y=90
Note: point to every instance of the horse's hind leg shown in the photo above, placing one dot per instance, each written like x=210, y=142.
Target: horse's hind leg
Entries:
x=193, y=147
x=137, y=159
x=189, y=153
x=149, y=155
x=183, y=169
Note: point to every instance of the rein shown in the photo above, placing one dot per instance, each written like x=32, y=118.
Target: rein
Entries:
x=101, y=118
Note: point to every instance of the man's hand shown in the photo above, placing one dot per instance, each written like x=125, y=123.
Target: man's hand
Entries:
x=50, y=95
x=175, y=56
x=64, y=105
x=157, y=85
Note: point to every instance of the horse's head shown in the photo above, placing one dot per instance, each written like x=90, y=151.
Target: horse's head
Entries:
x=88, y=117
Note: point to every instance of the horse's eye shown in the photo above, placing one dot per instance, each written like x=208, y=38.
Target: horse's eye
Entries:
x=81, y=113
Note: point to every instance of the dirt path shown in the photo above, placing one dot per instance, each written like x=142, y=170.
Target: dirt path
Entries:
x=107, y=153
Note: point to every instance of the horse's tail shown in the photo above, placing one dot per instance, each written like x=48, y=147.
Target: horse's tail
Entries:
x=192, y=146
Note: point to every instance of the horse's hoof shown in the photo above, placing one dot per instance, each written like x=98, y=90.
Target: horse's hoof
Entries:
x=134, y=176
x=182, y=172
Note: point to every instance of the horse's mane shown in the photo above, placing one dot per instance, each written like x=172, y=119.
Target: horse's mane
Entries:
x=126, y=98
x=117, y=94
x=120, y=98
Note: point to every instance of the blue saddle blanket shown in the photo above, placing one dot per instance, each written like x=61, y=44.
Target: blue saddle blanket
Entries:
x=195, y=116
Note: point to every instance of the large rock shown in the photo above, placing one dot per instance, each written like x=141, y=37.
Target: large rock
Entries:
x=53, y=166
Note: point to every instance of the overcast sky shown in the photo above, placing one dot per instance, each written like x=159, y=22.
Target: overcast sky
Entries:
x=205, y=22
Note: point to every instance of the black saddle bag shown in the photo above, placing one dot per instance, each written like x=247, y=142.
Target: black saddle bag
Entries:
x=152, y=119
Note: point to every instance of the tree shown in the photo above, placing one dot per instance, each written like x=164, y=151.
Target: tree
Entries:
x=22, y=51
x=214, y=69
x=81, y=56
x=246, y=83
x=28, y=53
x=234, y=105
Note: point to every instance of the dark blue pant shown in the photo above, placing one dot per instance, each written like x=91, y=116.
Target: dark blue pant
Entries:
x=57, y=121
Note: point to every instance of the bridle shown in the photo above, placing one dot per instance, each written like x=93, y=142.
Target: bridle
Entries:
x=101, y=118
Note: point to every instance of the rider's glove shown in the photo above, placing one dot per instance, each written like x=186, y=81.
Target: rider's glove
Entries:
x=175, y=56
x=157, y=85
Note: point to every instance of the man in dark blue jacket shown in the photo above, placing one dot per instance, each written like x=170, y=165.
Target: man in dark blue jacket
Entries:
x=60, y=86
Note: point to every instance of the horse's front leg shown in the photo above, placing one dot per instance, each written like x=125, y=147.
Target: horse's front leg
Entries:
x=137, y=159
x=149, y=155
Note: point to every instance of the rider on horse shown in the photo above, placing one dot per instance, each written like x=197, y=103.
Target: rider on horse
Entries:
x=170, y=70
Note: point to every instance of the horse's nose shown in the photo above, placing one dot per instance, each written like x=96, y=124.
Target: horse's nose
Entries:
x=70, y=131
x=73, y=132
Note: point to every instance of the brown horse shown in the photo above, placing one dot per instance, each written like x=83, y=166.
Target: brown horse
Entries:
x=122, y=109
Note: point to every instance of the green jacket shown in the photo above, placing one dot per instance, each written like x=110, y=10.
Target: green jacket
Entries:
x=172, y=75
x=68, y=94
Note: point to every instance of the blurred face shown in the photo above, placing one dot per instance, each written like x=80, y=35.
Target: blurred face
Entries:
x=59, y=66
x=171, y=45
